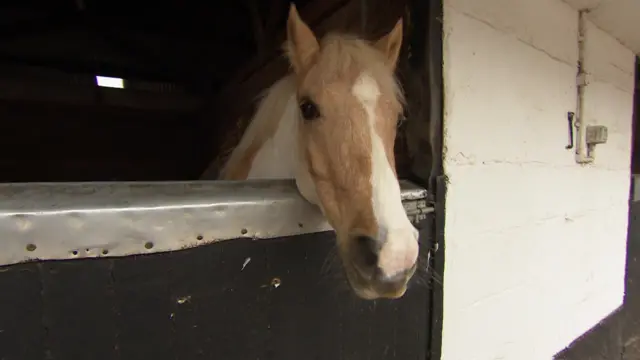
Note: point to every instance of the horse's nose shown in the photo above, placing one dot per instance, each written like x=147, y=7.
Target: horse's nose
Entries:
x=367, y=254
x=366, y=258
x=390, y=285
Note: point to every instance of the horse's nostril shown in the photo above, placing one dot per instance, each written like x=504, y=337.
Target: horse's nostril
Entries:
x=368, y=250
x=389, y=284
x=391, y=280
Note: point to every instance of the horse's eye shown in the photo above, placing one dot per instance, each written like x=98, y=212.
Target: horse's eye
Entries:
x=309, y=109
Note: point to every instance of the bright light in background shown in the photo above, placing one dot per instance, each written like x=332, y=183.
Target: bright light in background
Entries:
x=111, y=82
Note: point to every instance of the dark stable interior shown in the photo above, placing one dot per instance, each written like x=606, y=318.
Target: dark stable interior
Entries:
x=192, y=70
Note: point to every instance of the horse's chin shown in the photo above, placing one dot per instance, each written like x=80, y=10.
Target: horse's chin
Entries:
x=364, y=291
x=361, y=291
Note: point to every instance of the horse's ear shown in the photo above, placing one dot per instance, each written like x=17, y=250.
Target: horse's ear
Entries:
x=391, y=43
x=302, y=44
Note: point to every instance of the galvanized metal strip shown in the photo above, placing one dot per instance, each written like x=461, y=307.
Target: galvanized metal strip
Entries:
x=79, y=220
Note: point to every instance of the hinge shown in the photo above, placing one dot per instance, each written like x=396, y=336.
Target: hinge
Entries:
x=417, y=209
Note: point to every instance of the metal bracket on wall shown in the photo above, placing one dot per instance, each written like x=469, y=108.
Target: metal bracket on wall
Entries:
x=570, y=116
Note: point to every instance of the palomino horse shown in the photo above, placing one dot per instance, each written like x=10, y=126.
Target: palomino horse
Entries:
x=331, y=124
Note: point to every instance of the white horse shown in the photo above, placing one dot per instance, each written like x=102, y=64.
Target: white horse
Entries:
x=331, y=124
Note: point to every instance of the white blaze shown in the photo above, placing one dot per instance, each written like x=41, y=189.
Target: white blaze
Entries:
x=398, y=236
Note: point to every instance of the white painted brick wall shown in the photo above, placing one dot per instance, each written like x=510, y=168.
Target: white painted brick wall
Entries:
x=536, y=244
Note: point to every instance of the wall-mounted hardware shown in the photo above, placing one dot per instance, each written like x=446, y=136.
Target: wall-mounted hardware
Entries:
x=595, y=134
x=570, y=116
x=587, y=135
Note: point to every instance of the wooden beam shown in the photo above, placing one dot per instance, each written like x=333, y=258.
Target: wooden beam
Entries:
x=37, y=22
x=90, y=94
x=98, y=47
